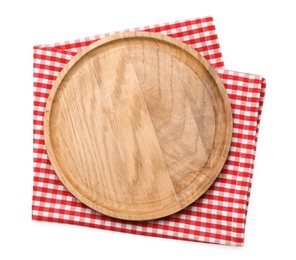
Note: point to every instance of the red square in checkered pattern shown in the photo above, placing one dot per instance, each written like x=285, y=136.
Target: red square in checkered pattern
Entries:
x=219, y=216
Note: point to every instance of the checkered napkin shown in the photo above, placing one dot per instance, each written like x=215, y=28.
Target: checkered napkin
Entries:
x=219, y=216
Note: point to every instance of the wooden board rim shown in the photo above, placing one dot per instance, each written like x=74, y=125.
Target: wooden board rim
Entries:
x=106, y=41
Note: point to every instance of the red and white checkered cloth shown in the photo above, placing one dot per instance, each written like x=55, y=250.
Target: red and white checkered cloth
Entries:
x=219, y=216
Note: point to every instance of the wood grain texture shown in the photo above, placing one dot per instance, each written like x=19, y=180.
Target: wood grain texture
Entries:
x=138, y=126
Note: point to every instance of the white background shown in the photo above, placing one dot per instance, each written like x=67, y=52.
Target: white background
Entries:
x=255, y=36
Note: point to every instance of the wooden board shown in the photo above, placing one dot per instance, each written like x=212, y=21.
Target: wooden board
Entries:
x=138, y=126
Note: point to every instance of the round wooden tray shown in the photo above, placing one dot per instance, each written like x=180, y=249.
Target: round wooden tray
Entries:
x=138, y=126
